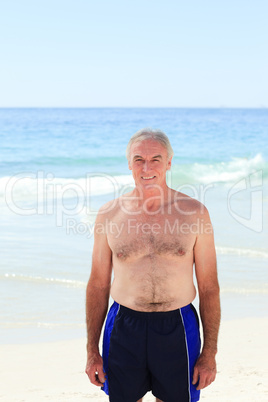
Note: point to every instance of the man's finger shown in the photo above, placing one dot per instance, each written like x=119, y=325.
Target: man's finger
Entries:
x=96, y=375
x=100, y=375
x=203, y=381
x=206, y=379
x=92, y=376
x=195, y=375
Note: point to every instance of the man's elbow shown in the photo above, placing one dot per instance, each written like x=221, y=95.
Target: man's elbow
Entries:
x=97, y=284
x=210, y=291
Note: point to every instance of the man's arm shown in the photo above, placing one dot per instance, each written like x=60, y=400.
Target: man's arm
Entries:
x=97, y=298
x=208, y=287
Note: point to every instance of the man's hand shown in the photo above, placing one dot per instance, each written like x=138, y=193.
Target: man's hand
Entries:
x=94, y=369
x=204, y=370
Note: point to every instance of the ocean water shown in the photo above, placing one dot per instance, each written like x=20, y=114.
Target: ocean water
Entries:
x=58, y=166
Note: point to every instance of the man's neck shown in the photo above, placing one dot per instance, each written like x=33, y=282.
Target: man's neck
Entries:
x=153, y=198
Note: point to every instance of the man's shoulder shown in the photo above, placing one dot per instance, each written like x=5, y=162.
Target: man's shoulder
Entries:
x=184, y=202
x=110, y=208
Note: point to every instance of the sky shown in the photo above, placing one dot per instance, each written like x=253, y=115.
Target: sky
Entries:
x=138, y=53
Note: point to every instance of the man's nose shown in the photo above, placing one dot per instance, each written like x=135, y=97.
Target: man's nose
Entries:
x=146, y=166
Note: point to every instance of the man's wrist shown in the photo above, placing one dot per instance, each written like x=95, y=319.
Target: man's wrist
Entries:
x=92, y=350
x=209, y=351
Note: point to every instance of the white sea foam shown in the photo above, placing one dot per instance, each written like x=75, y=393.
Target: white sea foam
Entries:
x=223, y=172
x=41, y=195
x=37, y=324
x=245, y=291
x=44, y=280
x=39, y=187
x=242, y=251
x=232, y=171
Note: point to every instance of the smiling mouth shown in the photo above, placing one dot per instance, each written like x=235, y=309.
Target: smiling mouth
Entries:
x=148, y=178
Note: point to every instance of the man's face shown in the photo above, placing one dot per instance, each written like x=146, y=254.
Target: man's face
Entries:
x=149, y=163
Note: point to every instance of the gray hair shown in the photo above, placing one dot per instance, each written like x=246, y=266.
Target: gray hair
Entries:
x=150, y=134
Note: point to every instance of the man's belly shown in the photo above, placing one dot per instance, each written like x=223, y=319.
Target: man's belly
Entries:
x=163, y=288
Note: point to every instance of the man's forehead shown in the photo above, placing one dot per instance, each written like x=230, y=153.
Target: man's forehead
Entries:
x=148, y=148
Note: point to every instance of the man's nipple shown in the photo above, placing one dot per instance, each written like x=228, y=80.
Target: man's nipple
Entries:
x=181, y=251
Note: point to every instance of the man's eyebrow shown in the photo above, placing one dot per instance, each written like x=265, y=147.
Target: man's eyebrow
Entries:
x=153, y=157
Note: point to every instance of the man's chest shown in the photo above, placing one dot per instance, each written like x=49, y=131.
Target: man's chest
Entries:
x=151, y=235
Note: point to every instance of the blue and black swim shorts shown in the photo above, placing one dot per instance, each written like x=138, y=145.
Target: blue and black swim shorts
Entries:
x=155, y=351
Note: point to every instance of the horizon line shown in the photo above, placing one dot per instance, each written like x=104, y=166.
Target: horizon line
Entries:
x=134, y=107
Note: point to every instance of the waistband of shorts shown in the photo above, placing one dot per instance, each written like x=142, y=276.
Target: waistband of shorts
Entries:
x=153, y=314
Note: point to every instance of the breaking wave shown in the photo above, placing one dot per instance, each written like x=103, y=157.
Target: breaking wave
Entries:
x=39, y=187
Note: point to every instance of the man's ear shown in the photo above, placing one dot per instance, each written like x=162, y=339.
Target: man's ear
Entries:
x=169, y=163
x=129, y=165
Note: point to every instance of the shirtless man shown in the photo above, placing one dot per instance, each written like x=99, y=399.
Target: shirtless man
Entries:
x=151, y=237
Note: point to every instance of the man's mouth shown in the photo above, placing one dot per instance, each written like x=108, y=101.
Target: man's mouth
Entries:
x=148, y=177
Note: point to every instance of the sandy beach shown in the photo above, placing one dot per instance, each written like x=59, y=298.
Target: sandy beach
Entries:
x=55, y=371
